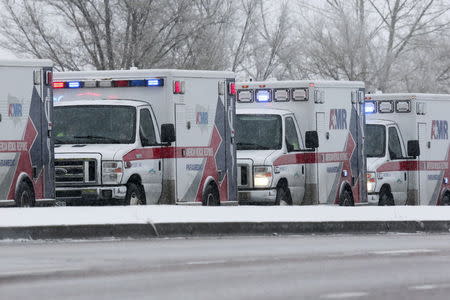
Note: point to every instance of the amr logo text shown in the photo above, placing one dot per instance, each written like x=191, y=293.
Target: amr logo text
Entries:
x=338, y=119
x=439, y=130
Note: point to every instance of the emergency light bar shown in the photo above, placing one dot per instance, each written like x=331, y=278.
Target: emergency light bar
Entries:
x=403, y=106
x=300, y=94
x=386, y=107
x=281, y=95
x=245, y=96
x=370, y=107
x=151, y=82
x=263, y=96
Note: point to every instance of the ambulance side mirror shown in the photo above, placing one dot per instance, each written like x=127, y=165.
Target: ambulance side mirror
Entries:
x=167, y=133
x=413, y=148
x=311, y=140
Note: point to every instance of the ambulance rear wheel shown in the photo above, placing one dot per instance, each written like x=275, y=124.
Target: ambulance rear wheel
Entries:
x=135, y=195
x=386, y=198
x=211, y=196
x=446, y=199
x=25, y=195
x=346, y=198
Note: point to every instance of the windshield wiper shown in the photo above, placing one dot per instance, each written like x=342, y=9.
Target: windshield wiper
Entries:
x=97, y=137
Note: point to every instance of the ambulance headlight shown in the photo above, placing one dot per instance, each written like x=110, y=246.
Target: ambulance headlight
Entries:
x=112, y=172
x=371, y=182
x=262, y=176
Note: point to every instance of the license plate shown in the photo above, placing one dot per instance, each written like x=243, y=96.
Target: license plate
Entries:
x=60, y=203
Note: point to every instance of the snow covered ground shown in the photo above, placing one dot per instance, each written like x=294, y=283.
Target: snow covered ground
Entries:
x=18, y=217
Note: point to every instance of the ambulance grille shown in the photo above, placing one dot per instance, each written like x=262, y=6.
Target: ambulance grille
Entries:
x=75, y=172
x=243, y=175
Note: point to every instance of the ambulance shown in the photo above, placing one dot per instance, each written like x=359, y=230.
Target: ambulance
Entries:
x=407, y=149
x=300, y=142
x=26, y=147
x=145, y=137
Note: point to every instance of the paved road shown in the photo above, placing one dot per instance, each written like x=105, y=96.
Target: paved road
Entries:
x=390, y=266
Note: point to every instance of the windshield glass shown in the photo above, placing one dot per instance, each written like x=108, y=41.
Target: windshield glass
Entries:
x=95, y=124
x=258, y=132
x=375, y=140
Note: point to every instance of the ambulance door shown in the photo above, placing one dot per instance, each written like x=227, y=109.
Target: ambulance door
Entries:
x=295, y=174
x=190, y=162
x=400, y=177
x=422, y=174
x=47, y=147
x=150, y=169
x=321, y=176
x=41, y=149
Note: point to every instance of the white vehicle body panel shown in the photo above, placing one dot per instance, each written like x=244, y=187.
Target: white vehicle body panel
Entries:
x=26, y=147
x=421, y=181
x=334, y=110
x=203, y=120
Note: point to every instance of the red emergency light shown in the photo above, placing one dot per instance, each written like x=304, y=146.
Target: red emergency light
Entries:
x=121, y=83
x=232, y=88
x=59, y=85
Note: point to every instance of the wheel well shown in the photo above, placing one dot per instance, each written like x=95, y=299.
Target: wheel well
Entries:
x=135, y=179
x=282, y=183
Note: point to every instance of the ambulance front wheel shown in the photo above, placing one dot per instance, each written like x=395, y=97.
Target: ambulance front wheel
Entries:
x=386, y=198
x=25, y=195
x=346, y=198
x=135, y=194
x=283, y=196
x=211, y=196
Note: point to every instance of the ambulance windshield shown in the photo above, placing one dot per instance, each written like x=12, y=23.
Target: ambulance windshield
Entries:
x=258, y=132
x=94, y=124
x=375, y=140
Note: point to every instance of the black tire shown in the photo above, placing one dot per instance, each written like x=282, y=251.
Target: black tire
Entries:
x=346, y=198
x=25, y=195
x=386, y=198
x=211, y=196
x=283, y=196
x=135, y=195
x=446, y=200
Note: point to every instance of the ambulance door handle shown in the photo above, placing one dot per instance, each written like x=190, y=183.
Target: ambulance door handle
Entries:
x=303, y=170
x=405, y=176
x=159, y=165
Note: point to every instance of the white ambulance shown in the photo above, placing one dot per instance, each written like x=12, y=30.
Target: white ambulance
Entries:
x=26, y=149
x=407, y=149
x=300, y=142
x=145, y=137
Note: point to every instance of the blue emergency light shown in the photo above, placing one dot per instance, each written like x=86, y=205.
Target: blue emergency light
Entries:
x=370, y=107
x=155, y=82
x=74, y=84
x=138, y=82
x=263, y=96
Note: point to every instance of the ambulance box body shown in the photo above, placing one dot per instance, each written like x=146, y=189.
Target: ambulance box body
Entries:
x=279, y=159
x=26, y=146
x=145, y=137
x=407, y=149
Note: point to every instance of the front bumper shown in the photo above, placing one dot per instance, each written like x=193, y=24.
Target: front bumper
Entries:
x=90, y=195
x=373, y=198
x=257, y=196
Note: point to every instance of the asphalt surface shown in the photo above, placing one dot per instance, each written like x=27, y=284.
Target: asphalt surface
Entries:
x=391, y=266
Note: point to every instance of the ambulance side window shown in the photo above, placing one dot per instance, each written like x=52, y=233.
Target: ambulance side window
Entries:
x=291, y=135
x=146, y=128
x=394, y=145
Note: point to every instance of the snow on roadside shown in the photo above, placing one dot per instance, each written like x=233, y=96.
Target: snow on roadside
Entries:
x=48, y=216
